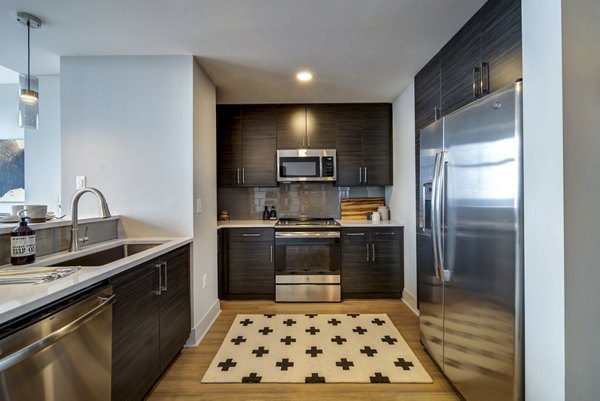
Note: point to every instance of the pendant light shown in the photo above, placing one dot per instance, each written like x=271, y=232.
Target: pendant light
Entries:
x=28, y=95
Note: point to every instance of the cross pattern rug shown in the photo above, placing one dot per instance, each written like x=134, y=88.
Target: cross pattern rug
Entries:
x=315, y=348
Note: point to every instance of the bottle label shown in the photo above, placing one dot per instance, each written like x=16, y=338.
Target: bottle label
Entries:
x=22, y=246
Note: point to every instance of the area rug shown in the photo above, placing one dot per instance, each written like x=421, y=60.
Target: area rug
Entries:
x=315, y=348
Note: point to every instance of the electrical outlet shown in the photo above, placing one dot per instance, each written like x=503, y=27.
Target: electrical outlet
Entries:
x=199, y=205
x=204, y=281
x=80, y=182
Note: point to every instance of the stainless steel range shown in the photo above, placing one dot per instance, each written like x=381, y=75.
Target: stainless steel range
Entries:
x=307, y=260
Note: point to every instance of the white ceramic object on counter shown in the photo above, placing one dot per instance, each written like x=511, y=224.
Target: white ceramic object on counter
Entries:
x=376, y=218
x=384, y=211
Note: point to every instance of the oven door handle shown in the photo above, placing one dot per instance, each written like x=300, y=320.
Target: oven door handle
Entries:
x=307, y=234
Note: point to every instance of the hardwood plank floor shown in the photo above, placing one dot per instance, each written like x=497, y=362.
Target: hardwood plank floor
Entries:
x=183, y=379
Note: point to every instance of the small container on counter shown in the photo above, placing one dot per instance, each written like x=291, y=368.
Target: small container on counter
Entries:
x=384, y=211
x=273, y=214
x=266, y=214
x=22, y=242
x=224, y=215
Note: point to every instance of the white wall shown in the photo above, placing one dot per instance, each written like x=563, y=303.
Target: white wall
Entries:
x=42, y=148
x=127, y=126
x=543, y=201
x=9, y=112
x=401, y=196
x=581, y=89
x=205, y=306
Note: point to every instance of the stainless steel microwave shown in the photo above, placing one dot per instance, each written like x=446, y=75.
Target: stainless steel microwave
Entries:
x=306, y=165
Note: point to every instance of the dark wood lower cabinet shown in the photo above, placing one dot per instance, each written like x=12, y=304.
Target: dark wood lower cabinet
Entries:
x=151, y=322
x=372, y=262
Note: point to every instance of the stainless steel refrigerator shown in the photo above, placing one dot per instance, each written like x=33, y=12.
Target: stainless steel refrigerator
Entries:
x=470, y=246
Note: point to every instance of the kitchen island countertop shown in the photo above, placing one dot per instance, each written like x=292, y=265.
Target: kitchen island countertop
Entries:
x=271, y=223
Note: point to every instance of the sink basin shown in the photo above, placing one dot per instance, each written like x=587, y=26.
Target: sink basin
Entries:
x=109, y=255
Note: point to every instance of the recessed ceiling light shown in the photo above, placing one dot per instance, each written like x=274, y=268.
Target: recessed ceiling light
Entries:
x=304, y=76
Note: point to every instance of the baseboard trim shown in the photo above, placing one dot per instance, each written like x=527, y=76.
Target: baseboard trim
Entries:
x=410, y=300
x=199, y=331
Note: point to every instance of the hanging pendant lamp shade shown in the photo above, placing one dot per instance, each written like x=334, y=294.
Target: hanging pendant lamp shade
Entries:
x=28, y=94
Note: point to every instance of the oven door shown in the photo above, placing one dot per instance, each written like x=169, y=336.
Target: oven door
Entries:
x=301, y=253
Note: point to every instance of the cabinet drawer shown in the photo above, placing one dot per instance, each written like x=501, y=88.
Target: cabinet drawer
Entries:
x=251, y=234
x=386, y=234
x=353, y=235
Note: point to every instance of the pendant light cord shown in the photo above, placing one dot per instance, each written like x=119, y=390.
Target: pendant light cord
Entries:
x=28, y=56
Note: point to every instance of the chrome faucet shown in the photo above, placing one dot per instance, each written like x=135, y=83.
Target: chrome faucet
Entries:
x=74, y=214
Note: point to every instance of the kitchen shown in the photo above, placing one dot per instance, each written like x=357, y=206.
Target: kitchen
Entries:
x=91, y=97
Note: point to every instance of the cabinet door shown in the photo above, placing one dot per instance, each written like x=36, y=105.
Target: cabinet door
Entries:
x=387, y=272
x=291, y=126
x=175, y=301
x=377, y=144
x=229, y=145
x=501, y=41
x=251, y=268
x=355, y=261
x=320, y=126
x=349, y=144
x=136, y=336
x=259, y=146
x=459, y=56
x=427, y=93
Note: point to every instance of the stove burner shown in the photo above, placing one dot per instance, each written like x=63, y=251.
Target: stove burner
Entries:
x=307, y=222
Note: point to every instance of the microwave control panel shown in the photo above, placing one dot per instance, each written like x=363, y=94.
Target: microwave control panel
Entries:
x=328, y=166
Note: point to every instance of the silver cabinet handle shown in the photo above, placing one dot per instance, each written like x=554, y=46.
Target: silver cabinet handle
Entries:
x=160, y=286
x=360, y=175
x=250, y=235
x=373, y=253
x=43, y=343
x=243, y=175
x=271, y=253
x=385, y=233
x=238, y=175
x=366, y=179
x=165, y=287
x=303, y=141
x=355, y=234
x=485, y=78
x=367, y=252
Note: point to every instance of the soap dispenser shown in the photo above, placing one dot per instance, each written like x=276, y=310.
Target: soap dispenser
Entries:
x=22, y=242
x=273, y=214
x=266, y=214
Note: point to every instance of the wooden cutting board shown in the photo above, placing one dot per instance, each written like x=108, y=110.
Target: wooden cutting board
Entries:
x=357, y=208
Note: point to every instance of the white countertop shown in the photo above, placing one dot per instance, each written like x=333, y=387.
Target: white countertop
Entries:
x=271, y=223
x=8, y=227
x=18, y=299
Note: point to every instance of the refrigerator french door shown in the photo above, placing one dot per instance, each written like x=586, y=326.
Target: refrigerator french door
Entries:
x=471, y=290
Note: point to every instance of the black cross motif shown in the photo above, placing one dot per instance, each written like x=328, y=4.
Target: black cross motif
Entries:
x=339, y=340
x=285, y=364
x=311, y=315
x=378, y=321
x=269, y=315
x=369, y=351
x=314, y=351
x=344, y=364
x=379, y=378
x=265, y=331
x=334, y=322
x=389, y=340
x=353, y=315
x=226, y=365
x=314, y=378
x=288, y=340
x=251, y=378
x=359, y=330
x=246, y=322
x=289, y=322
x=401, y=363
x=312, y=330
x=238, y=340
x=260, y=351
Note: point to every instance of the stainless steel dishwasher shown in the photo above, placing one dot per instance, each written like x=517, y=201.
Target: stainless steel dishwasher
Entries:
x=61, y=352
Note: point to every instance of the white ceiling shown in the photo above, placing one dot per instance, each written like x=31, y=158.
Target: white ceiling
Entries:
x=358, y=50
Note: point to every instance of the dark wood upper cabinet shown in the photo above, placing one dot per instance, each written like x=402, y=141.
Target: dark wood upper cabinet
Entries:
x=501, y=41
x=246, y=145
x=291, y=126
x=310, y=126
x=461, y=66
x=320, y=126
x=428, y=104
x=364, y=144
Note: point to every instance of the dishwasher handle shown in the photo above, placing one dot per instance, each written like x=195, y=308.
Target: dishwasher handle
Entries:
x=20, y=355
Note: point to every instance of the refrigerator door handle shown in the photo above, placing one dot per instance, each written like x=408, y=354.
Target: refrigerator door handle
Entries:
x=446, y=275
x=434, y=216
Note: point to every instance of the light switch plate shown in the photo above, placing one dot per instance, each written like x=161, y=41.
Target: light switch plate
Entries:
x=80, y=182
x=204, y=281
x=199, y=205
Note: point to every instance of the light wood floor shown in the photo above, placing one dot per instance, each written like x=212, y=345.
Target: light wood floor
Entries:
x=183, y=380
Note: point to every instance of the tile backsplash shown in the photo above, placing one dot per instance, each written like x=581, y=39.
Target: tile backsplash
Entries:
x=290, y=200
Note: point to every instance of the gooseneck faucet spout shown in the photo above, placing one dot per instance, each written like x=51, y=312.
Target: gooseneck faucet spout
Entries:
x=74, y=214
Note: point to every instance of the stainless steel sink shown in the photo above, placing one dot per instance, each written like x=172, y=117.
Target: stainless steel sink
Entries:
x=109, y=255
